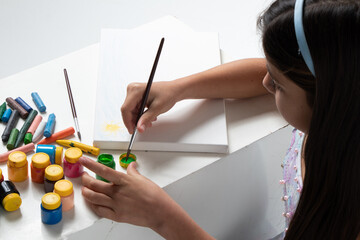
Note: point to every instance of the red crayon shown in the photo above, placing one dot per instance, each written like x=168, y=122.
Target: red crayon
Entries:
x=58, y=135
x=26, y=148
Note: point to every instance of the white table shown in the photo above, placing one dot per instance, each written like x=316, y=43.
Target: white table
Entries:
x=182, y=175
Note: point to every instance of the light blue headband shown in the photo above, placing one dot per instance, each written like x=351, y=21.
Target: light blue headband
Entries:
x=300, y=35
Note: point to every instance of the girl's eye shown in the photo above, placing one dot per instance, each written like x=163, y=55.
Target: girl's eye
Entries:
x=275, y=85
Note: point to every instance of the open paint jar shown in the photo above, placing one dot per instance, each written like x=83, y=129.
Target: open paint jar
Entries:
x=125, y=163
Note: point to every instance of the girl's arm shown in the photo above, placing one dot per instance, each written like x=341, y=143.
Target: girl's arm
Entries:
x=238, y=79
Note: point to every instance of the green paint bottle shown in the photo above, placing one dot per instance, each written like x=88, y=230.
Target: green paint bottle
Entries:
x=107, y=160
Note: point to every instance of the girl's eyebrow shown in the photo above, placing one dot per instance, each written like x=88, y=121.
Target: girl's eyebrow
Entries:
x=274, y=79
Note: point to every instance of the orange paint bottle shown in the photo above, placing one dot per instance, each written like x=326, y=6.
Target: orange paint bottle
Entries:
x=17, y=167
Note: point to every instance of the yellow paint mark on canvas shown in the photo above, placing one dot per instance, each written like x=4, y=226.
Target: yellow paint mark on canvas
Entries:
x=111, y=127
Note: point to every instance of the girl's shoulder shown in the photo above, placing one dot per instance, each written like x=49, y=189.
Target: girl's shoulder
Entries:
x=296, y=141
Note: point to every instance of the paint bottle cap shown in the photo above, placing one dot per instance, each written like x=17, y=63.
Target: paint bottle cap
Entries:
x=73, y=154
x=28, y=138
x=63, y=188
x=58, y=155
x=51, y=201
x=17, y=159
x=12, y=202
x=40, y=160
x=54, y=172
x=123, y=162
x=107, y=160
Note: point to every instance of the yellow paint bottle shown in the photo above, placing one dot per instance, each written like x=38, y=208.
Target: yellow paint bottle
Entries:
x=58, y=155
x=1, y=176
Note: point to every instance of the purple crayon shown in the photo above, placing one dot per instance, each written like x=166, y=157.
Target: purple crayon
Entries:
x=22, y=103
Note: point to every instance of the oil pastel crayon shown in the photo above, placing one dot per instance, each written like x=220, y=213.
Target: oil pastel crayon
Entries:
x=30, y=132
x=85, y=148
x=5, y=117
x=38, y=102
x=25, y=127
x=2, y=109
x=24, y=105
x=58, y=135
x=14, y=105
x=14, y=118
x=12, y=139
x=25, y=149
x=39, y=133
x=50, y=126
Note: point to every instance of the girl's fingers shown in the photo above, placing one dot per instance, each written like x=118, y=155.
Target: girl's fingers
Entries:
x=129, y=109
x=102, y=211
x=146, y=119
x=102, y=170
x=96, y=197
x=131, y=169
x=96, y=185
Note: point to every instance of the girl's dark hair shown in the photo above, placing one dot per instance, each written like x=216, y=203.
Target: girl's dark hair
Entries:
x=329, y=205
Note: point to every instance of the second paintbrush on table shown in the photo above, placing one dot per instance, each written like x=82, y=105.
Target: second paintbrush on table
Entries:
x=72, y=104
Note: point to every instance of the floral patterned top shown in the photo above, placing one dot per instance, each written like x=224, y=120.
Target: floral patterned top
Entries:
x=292, y=179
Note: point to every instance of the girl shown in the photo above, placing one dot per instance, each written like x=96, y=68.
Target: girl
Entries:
x=312, y=52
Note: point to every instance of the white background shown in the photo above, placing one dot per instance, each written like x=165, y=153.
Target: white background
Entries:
x=37, y=31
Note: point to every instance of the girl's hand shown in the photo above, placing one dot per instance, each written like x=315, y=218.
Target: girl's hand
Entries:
x=162, y=97
x=129, y=198
x=134, y=199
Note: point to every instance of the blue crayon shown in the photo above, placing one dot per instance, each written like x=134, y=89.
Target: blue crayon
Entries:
x=5, y=117
x=50, y=125
x=38, y=102
x=22, y=103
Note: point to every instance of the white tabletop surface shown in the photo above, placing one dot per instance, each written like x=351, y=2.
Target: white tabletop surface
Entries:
x=34, y=32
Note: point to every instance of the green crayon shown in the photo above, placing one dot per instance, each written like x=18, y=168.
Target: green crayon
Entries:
x=28, y=138
x=25, y=127
x=2, y=109
x=13, y=136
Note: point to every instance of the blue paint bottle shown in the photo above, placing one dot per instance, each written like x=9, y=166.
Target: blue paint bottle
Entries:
x=24, y=105
x=48, y=149
x=50, y=126
x=38, y=102
x=51, y=208
x=6, y=116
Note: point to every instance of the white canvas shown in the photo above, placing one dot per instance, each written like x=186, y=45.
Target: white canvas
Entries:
x=127, y=56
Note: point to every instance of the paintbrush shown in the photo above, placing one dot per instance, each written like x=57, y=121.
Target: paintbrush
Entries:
x=72, y=104
x=145, y=96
